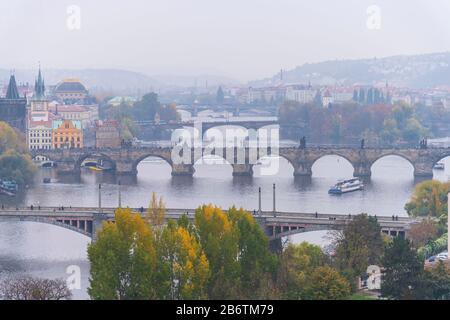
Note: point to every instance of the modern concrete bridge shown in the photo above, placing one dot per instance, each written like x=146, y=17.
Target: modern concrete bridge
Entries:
x=126, y=160
x=87, y=220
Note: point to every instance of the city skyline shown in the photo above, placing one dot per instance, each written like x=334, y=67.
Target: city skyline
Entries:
x=243, y=41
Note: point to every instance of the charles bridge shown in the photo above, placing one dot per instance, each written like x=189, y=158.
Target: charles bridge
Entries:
x=242, y=159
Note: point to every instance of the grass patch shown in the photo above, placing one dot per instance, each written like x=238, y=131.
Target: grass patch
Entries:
x=362, y=296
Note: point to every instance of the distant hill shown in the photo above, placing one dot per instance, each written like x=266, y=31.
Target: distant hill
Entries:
x=114, y=80
x=416, y=71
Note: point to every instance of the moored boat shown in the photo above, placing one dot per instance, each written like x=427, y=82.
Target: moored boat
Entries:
x=439, y=166
x=8, y=187
x=345, y=186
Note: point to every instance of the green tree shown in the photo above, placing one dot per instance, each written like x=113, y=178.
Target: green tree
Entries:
x=147, y=107
x=15, y=162
x=219, y=239
x=297, y=263
x=403, y=276
x=437, y=282
x=123, y=259
x=413, y=131
x=390, y=132
x=327, y=283
x=304, y=274
x=359, y=245
x=429, y=199
x=257, y=263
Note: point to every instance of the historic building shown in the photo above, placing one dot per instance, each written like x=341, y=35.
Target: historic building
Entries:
x=13, y=107
x=67, y=134
x=87, y=114
x=39, y=129
x=71, y=91
x=107, y=134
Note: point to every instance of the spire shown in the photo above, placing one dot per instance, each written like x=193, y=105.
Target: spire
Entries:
x=12, y=92
x=39, y=87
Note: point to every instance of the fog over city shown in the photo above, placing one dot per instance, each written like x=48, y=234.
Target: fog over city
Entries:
x=242, y=40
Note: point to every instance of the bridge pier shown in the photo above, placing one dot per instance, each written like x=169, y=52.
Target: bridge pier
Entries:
x=303, y=169
x=423, y=169
x=182, y=170
x=362, y=170
x=97, y=224
x=125, y=168
x=242, y=170
x=67, y=167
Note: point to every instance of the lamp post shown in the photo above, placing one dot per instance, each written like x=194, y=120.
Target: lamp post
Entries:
x=99, y=198
x=274, y=207
x=120, y=195
x=259, y=201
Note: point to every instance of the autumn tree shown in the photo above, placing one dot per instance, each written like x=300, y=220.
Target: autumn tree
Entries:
x=422, y=232
x=156, y=211
x=184, y=264
x=15, y=162
x=326, y=283
x=304, y=273
x=437, y=282
x=429, y=199
x=123, y=259
x=297, y=263
x=29, y=288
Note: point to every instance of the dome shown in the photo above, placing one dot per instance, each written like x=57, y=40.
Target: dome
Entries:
x=70, y=85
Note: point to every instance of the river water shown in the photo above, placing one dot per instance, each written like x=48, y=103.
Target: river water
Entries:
x=48, y=251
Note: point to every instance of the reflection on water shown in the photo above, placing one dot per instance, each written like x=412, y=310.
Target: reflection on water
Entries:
x=45, y=250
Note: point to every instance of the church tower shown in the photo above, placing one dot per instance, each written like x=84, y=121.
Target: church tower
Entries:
x=39, y=103
x=13, y=107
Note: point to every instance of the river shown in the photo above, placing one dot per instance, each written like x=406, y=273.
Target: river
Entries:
x=47, y=251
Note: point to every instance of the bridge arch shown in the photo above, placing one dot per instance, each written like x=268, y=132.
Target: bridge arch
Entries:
x=262, y=159
x=336, y=154
x=93, y=154
x=149, y=155
x=391, y=154
x=86, y=229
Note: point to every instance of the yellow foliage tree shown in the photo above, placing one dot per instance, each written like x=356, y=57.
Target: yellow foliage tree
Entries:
x=123, y=259
x=156, y=212
x=185, y=263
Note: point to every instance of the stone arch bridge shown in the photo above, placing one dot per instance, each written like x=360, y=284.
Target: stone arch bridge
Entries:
x=126, y=160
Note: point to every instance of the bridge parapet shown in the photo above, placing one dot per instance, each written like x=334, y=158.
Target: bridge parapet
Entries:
x=125, y=160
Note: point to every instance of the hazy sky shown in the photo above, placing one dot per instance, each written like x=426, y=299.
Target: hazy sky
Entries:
x=243, y=39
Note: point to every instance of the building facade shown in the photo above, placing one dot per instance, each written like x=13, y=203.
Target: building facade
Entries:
x=39, y=121
x=107, y=134
x=67, y=134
